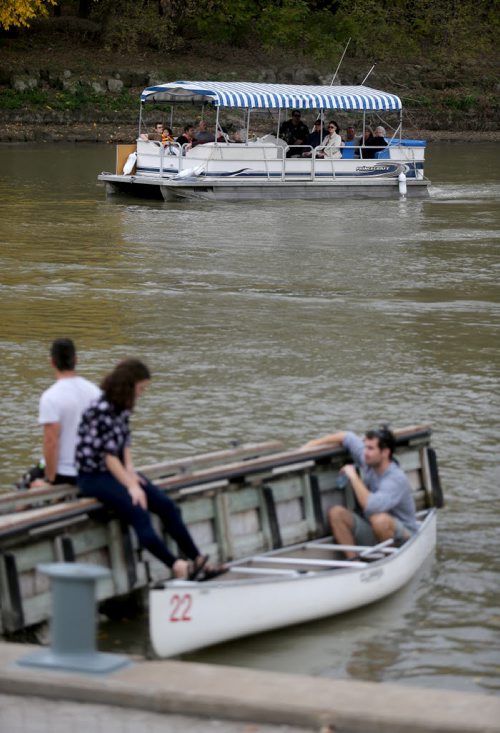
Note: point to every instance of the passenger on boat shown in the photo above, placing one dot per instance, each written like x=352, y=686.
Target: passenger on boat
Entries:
x=376, y=143
x=349, y=149
x=167, y=136
x=360, y=151
x=156, y=135
x=187, y=137
x=202, y=135
x=332, y=142
x=383, y=492
x=106, y=471
x=314, y=139
x=294, y=132
x=61, y=407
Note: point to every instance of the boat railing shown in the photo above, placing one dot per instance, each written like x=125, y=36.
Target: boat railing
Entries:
x=167, y=150
x=320, y=153
x=278, y=161
x=264, y=155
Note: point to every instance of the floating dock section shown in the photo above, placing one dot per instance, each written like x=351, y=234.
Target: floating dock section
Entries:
x=246, y=500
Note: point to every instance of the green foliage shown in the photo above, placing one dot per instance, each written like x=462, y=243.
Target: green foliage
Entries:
x=288, y=24
x=282, y=24
x=137, y=24
x=227, y=21
x=460, y=102
x=67, y=27
x=315, y=30
x=420, y=102
x=404, y=29
x=11, y=99
x=82, y=98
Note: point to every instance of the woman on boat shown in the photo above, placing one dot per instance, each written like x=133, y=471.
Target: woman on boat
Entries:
x=332, y=142
x=363, y=140
x=106, y=471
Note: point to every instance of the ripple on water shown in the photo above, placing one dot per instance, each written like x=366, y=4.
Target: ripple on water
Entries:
x=279, y=320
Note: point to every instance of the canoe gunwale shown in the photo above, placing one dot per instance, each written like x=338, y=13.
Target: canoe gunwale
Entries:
x=221, y=610
x=218, y=582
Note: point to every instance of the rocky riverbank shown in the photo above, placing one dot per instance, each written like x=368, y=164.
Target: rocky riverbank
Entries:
x=77, y=132
x=85, y=94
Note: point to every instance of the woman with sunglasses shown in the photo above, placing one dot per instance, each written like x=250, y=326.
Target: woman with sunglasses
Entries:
x=332, y=142
x=106, y=472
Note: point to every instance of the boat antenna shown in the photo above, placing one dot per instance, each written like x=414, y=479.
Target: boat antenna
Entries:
x=366, y=77
x=341, y=59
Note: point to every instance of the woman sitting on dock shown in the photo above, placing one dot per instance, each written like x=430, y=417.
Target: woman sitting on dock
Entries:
x=106, y=471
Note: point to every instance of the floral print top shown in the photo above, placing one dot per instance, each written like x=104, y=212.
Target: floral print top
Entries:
x=102, y=431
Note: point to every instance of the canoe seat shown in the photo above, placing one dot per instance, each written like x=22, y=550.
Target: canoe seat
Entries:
x=268, y=571
x=280, y=560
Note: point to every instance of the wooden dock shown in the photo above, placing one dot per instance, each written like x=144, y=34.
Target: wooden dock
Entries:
x=236, y=502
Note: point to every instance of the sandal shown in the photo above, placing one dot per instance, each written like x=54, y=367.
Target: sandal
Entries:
x=197, y=567
x=212, y=571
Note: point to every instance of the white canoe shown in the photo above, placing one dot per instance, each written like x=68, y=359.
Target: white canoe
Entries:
x=288, y=586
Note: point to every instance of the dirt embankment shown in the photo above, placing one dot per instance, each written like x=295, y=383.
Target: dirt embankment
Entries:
x=88, y=94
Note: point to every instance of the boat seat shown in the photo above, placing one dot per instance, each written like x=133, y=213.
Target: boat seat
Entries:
x=362, y=549
x=268, y=571
x=280, y=560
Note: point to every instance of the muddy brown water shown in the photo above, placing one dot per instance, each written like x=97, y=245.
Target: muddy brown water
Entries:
x=282, y=320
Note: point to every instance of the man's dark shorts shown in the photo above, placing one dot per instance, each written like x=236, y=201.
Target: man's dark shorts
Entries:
x=364, y=534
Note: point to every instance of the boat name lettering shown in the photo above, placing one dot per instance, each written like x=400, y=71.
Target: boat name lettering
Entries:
x=381, y=168
x=181, y=606
x=370, y=575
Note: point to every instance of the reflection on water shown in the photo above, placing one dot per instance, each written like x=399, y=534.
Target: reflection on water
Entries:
x=282, y=320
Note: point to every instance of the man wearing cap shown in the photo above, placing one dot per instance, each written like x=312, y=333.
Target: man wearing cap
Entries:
x=313, y=139
x=381, y=488
x=294, y=132
x=61, y=407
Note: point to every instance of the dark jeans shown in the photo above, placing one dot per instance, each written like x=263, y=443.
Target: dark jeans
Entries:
x=114, y=495
x=62, y=479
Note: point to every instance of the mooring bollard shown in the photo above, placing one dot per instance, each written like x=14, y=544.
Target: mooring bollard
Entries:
x=73, y=626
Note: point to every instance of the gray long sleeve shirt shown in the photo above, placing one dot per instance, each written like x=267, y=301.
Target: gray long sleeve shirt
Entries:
x=390, y=492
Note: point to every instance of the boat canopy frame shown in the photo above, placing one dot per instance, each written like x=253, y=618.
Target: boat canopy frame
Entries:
x=273, y=96
x=256, y=96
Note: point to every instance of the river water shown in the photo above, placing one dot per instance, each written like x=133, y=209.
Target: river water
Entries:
x=282, y=320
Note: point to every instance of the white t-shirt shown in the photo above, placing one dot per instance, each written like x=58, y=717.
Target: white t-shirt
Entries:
x=64, y=403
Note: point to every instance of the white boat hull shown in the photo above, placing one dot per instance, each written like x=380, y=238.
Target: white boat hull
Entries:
x=213, y=189
x=185, y=616
x=260, y=170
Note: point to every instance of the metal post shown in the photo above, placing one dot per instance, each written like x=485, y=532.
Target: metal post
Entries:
x=217, y=125
x=248, y=126
x=73, y=626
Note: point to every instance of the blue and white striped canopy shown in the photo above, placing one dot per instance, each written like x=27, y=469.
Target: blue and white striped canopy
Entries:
x=272, y=96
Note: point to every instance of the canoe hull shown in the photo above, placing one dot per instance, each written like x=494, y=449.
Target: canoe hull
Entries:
x=185, y=616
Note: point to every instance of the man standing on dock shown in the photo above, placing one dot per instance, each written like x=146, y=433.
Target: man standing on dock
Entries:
x=61, y=408
x=381, y=487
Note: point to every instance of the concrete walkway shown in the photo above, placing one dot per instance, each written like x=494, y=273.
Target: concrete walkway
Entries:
x=259, y=701
x=38, y=715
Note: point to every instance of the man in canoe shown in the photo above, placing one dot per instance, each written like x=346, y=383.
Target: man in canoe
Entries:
x=381, y=488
